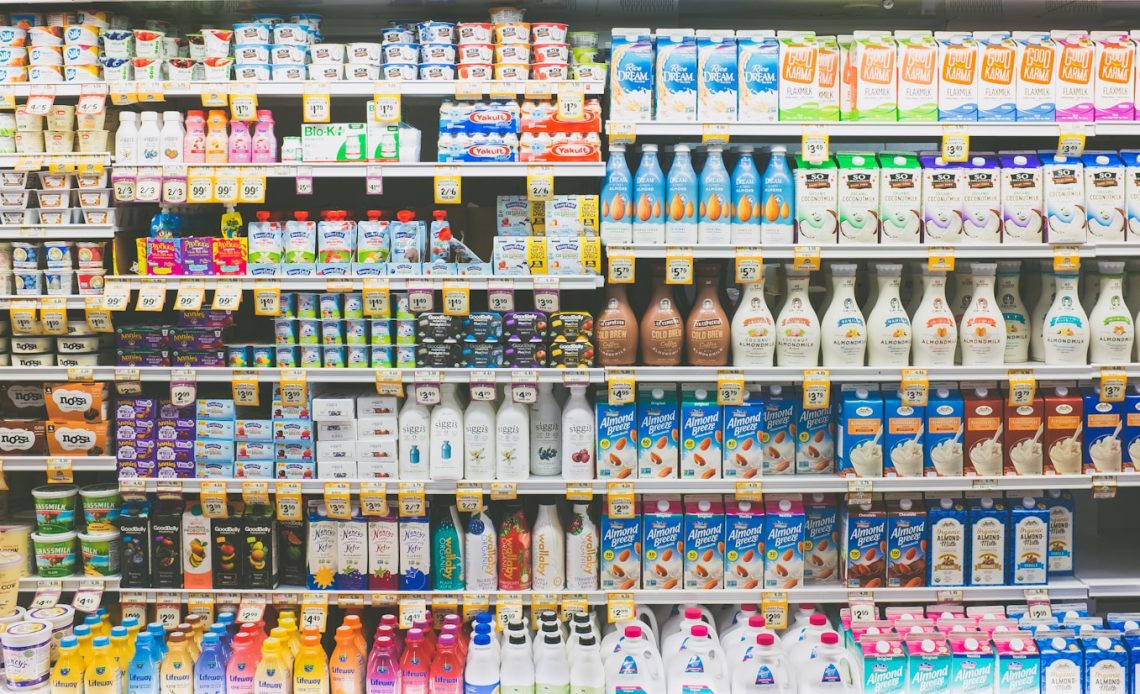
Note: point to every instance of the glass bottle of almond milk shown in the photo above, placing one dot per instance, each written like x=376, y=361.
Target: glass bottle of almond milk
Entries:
x=935, y=330
x=1013, y=310
x=753, y=331
x=843, y=330
x=1040, y=308
x=1066, y=330
x=888, y=326
x=982, y=335
x=797, y=326
x=1110, y=323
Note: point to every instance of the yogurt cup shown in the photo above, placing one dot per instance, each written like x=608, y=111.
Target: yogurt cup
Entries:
x=78, y=54
x=55, y=217
x=55, y=508
x=217, y=69
x=30, y=142
x=548, y=32
x=437, y=53
x=327, y=52
x=363, y=52
x=397, y=35
x=58, y=254
x=28, y=282
x=58, y=281
x=89, y=254
x=583, y=39
x=28, y=121
x=13, y=36
x=100, y=553
x=475, y=53
x=117, y=69
x=55, y=554
x=479, y=72
x=291, y=34
x=118, y=43
x=25, y=254
x=53, y=199
x=400, y=53
x=551, y=52
x=45, y=74
x=45, y=55
x=13, y=57
x=550, y=71
x=581, y=56
x=359, y=72
x=84, y=34
x=146, y=68
x=148, y=44
x=11, y=569
x=437, y=72
x=98, y=216
x=252, y=72
x=27, y=656
x=196, y=44
x=15, y=217
x=512, y=32
x=511, y=72
x=184, y=69
x=505, y=14
x=435, y=32
x=45, y=36
x=61, y=618
x=13, y=75
x=51, y=180
x=289, y=73
x=92, y=141
x=326, y=72
x=15, y=199
x=94, y=197
x=217, y=42
x=57, y=142
x=252, y=53
x=251, y=32
x=288, y=54
x=61, y=117
x=90, y=281
x=513, y=53
x=473, y=32
x=394, y=71
x=81, y=73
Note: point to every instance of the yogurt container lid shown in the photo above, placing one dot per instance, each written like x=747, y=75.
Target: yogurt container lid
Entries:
x=55, y=538
x=31, y=633
x=55, y=491
x=58, y=615
x=105, y=489
x=99, y=536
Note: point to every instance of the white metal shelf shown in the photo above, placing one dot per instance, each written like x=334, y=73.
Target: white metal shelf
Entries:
x=778, y=374
x=892, y=130
x=11, y=161
x=420, y=169
x=883, y=252
x=225, y=375
x=33, y=232
x=38, y=463
x=30, y=584
x=395, y=282
x=367, y=88
x=72, y=300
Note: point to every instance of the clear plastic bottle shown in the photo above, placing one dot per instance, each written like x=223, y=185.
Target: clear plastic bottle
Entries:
x=149, y=139
x=172, y=137
x=546, y=435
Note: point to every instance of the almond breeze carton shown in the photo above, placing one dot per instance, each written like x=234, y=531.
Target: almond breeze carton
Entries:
x=873, y=55
x=973, y=667
x=631, y=74
x=900, y=197
x=1114, y=93
x=1074, y=75
x=704, y=543
x=799, y=76
x=1018, y=663
x=884, y=664
x=1104, y=195
x=1022, y=195
x=743, y=433
x=821, y=540
x=718, y=90
x=815, y=441
x=997, y=88
x=743, y=544
x=779, y=433
x=663, y=556
x=865, y=545
x=701, y=432
x=1036, y=63
x=617, y=439
x=906, y=544
x=783, y=542
x=928, y=664
x=758, y=69
x=657, y=420
x=676, y=75
x=918, y=84
x=958, y=76
x=621, y=551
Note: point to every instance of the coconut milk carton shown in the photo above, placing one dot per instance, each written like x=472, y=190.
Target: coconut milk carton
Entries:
x=799, y=76
x=973, y=667
x=943, y=191
x=657, y=415
x=1131, y=160
x=717, y=81
x=1074, y=75
x=758, y=69
x=858, y=198
x=981, y=203
x=947, y=519
x=1061, y=512
x=1104, y=195
x=957, y=76
x=783, y=542
x=873, y=55
x=1019, y=663
x=928, y=664
x=821, y=540
x=997, y=88
x=1065, y=220
x=621, y=551
x=828, y=78
x=817, y=200
x=701, y=432
x=743, y=544
x=918, y=84
x=1062, y=662
x=1036, y=63
x=1029, y=545
x=1022, y=195
x=989, y=541
x=676, y=75
x=663, y=555
x=704, y=543
x=1106, y=664
x=743, y=432
x=900, y=197
x=631, y=74
x=1114, y=93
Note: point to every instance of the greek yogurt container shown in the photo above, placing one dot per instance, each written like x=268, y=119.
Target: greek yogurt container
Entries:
x=401, y=53
x=252, y=53
x=394, y=71
x=252, y=72
x=475, y=53
x=435, y=32
x=437, y=72
x=327, y=52
x=437, y=53
x=363, y=52
x=473, y=32
x=397, y=35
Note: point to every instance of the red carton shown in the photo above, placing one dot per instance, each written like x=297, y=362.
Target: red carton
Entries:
x=1024, y=427
x=1062, y=437
x=984, y=409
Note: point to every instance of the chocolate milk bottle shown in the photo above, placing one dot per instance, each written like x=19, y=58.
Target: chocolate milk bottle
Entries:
x=706, y=330
x=662, y=330
x=615, y=330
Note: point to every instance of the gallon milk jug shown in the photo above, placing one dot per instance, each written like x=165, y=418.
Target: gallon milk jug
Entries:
x=635, y=668
x=830, y=670
x=700, y=667
x=762, y=668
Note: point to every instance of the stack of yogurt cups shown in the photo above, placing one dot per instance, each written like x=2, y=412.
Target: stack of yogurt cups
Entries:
x=272, y=49
x=51, y=53
x=419, y=50
x=584, y=64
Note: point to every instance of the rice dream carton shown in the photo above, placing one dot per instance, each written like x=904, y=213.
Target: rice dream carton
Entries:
x=758, y=69
x=676, y=75
x=631, y=74
x=717, y=81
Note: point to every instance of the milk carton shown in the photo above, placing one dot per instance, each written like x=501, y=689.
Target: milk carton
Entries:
x=621, y=551
x=943, y=189
x=744, y=544
x=873, y=68
x=1062, y=662
x=884, y=664
x=944, y=428
x=821, y=540
x=783, y=542
x=981, y=204
x=743, y=436
x=1019, y=663
x=997, y=86
x=1104, y=195
x=1074, y=75
x=1061, y=441
x=817, y=201
x=1022, y=195
x=657, y=421
x=704, y=543
x=758, y=68
x=1036, y=63
x=958, y=76
x=860, y=420
x=947, y=519
x=1114, y=93
x=799, y=76
x=1064, y=178
x=676, y=75
x=815, y=441
x=1029, y=544
x=900, y=197
x=1061, y=511
x=972, y=670
x=989, y=541
x=617, y=439
x=1023, y=425
x=1131, y=160
x=717, y=82
x=1103, y=423
x=1130, y=446
x=902, y=437
x=858, y=197
x=663, y=557
x=701, y=432
x=906, y=544
x=828, y=78
x=918, y=83
x=779, y=433
x=865, y=545
x=631, y=74
x=846, y=76
x=928, y=664
x=1106, y=664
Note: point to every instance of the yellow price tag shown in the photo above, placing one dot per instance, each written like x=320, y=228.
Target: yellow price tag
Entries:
x=1022, y=387
x=579, y=491
x=243, y=107
x=448, y=189
x=199, y=188
x=266, y=298
x=412, y=611
x=750, y=490
x=377, y=298
x=815, y=146
x=540, y=184
x=288, y=498
x=150, y=92
x=190, y=295
x=215, y=95
x=469, y=497
x=314, y=611
x=1066, y=259
x=621, y=133
x=678, y=266
x=214, y=499
x=251, y=189
x=374, y=498
x=1071, y=142
x=1113, y=384
x=255, y=492
x=774, y=607
x=473, y=604
x=53, y=316
x=619, y=500
x=456, y=298
x=413, y=503
x=817, y=389
x=504, y=491
x=389, y=382
x=729, y=388
x=227, y=297
x=245, y=389
x=508, y=610
x=386, y=107
x=59, y=471
x=622, y=389
x=915, y=387
x=749, y=265
x=571, y=102
x=122, y=93
x=25, y=319
x=806, y=258
x=97, y=317
x=152, y=296
x=940, y=259
x=294, y=388
x=465, y=89
x=226, y=189
x=955, y=144
x=338, y=500
x=620, y=607
x=621, y=269
x=317, y=107
x=714, y=133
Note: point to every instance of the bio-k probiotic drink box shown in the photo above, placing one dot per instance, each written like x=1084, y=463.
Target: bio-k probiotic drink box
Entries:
x=1062, y=662
x=873, y=56
x=989, y=541
x=997, y=88
x=704, y=542
x=663, y=555
x=676, y=75
x=717, y=81
x=1019, y=663
x=1074, y=75
x=817, y=201
x=743, y=433
x=1104, y=195
x=799, y=76
x=1064, y=177
x=1036, y=63
x=1114, y=94
x=783, y=542
x=958, y=76
x=944, y=428
x=621, y=547
x=858, y=197
x=900, y=197
x=743, y=544
x=972, y=670
x=657, y=417
x=918, y=83
x=1061, y=511
x=1022, y=194
x=701, y=432
x=1029, y=544
x=947, y=520
x=928, y=663
x=943, y=189
x=981, y=204
x=758, y=68
x=631, y=74
x=828, y=78
x=1131, y=192
x=821, y=540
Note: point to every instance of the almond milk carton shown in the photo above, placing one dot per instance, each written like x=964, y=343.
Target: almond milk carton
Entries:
x=1114, y=92
x=799, y=76
x=663, y=555
x=704, y=542
x=701, y=432
x=918, y=78
x=828, y=78
x=758, y=68
x=957, y=76
x=1036, y=63
x=997, y=87
x=621, y=551
x=1074, y=75
x=717, y=81
x=676, y=75
x=873, y=55
x=783, y=542
x=631, y=74
x=744, y=544
x=821, y=539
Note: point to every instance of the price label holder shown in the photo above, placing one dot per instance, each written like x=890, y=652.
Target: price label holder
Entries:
x=123, y=183
x=201, y=604
x=428, y=387
x=215, y=95
x=940, y=259
x=620, y=268
x=619, y=499
x=540, y=603
x=251, y=609
x=214, y=501
x=1113, y=384
x=546, y=294
x=540, y=183
x=482, y=386
x=373, y=498
x=168, y=488
x=574, y=603
x=53, y=316
x=469, y=497
x=774, y=607
x=152, y=295
x=500, y=295
x=128, y=382
x=386, y=106
x=338, y=500
x=448, y=186
x=25, y=317
x=814, y=145
x=749, y=265
x=955, y=144
x=122, y=93
x=92, y=100
x=294, y=388
x=412, y=502
x=412, y=610
x=255, y=492
x=952, y=596
x=456, y=296
x=116, y=295
x=149, y=92
x=133, y=605
x=862, y=603
x=190, y=295
x=374, y=180
x=1066, y=259
x=750, y=490
x=817, y=389
x=579, y=491
x=620, y=607
x=287, y=495
x=859, y=490
x=508, y=610
x=174, y=188
x=1071, y=141
x=40, y=100
x=474, y=603
x=571, y=102
x=168, y=609
x=620, y=133
x=59, y=471
x=806, y=258
x=1037, y=603
x=377, y=298
x=199, y=185
x=1022, y=387
x=183, y=387
x=678, y=265
x=226, y=188
x=243, y=107
x=80, y=374
x=227, y=297
x=915, y=387
x=47, y=594
x=245, y=388
x=316, y=103
x=7, y=100
x=729, y=388
x=266, y=298
x=714, y=133
x=88, y=596
x=421, y=298
x=621, y=386
x=251, y=188
x=504, y=491
x=468, y=90
x=314, y=611
x=390, y=382
x=1104, y=486
x=524, y=387
x=304, y=180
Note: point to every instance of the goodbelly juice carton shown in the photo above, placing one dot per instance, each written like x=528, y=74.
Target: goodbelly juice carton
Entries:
x=718, y=88
x=1062, y=662
x=676, y=75
x=1106, y=668
x=829, y=83
x=947, y=519
x=884, y=663
x=860, y=420
x=743, y=433
x=703, y=537
x=1105, y=195
x=701, y=432
x=779, y=433
x=1064, y=177
x=1022, y=196
x=858, y=197
x=944, y=429
x=928, y=663
x=1103, y=423
x=918, y=76
x=821, y=540
x=973, y=667
x=1029, y=541
x=1036, y=63
x=873, y=55
x=1061, y=531
x=658, y=411
x=1131, y=160
x=663, y=553
x=799, y=76
x=744, y=544
x=900, y=197
x=981, y=203
x=783, y=542
x=1114, y=88
x=1018, y=663
x=957, y=76
x=1074, y=75
x=621, y=551
x=758, y=69
x=997, y=86
x=817, y=201
x=631, y=74
x=943, y=189
x=906, y=544
x=989, y=541
x=865, y=545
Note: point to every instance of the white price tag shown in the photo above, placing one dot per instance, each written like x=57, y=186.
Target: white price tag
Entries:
x=374, y=180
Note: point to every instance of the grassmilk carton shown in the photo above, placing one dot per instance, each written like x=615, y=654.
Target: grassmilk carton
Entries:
x=1074, y=75
x=1061, y=512
x=918, y=76
x=783, y=542
x=631, y=74
x=799, y=76
x=944, y=429
x=1114, y=93
x=758, y=69
x=621, y=551
x=906, y=544
x=617, y=439
x=1062, y=662
x=1104, y=195
x=817, y=200
x=1064, y=177
x=943, y=189
x=989, y=541
x=883, y=664
x=981, y=202
x=858, y=197
x=779, y=433
x=1019, y=663
x=997, y=85
x=743, y=544
x=900, y=197
x=829, y=81
x=1036, y=63
x=1022, y=195
x=947, y=519
x=928, y=663
x=973, y=668
x=1029, y=541
x=704, y=542
x=663, y=553
x=957, y=76
x=821, y=540
x=701, y=432
x=865, y=545
x=860, y=421
x=676, y=75
x=873, y=55
x=718, y=91
x=657, y=429
x=743, y=433
x=1131, y=160
x=815, y=441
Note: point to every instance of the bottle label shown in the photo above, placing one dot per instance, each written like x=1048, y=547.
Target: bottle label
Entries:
x=552, y=688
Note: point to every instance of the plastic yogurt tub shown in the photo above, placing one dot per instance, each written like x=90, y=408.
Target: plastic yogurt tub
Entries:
x=100, y=506
x=27, y=655
x=11, y=568
x=61, y=618
x=55, y=554
x=100, y=553
x=55, y=508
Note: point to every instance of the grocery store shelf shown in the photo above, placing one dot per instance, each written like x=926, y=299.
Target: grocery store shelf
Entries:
x=73, y=301
x=415, y=88
x=31, y=584
x=884, y=252
x=422, y=169
x=37, y=463
x=31, y=232
x=395, y=282
x=38, y=160
x=999, y=372
x=225, y=375
x=892, y=130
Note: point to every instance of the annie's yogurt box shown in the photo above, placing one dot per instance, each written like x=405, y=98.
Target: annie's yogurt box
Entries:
x=743, y=544
x=663, y=555
x=621, y=551
x=704, y=542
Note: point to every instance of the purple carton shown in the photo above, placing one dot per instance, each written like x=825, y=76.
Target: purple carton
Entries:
x=198, y=338
x=663, y=561
x=815, y=441
x=142, y=337
x=704, y=542
x=195, y=255
x=821, y=540
x=865, y=545
x=783, y=542
x=142, y=357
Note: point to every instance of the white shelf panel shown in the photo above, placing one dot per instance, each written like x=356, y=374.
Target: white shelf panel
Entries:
x=416, y=88
x=396, y=282
x=882, y=252
x=691, y=374
x=31, y=584
x=421, y=169
x=891, y=130
x=225, y=375
x=73, y=301
x=10, y=161
x=34, y=232
x=29, y=463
